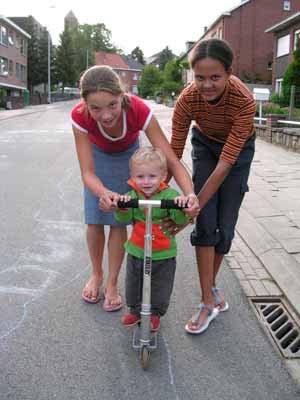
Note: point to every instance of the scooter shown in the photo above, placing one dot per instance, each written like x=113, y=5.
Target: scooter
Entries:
x=143, y=339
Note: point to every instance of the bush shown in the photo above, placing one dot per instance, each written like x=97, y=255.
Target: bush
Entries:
x=271, y=108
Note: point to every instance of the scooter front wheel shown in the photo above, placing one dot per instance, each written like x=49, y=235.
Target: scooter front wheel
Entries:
x=144, y=356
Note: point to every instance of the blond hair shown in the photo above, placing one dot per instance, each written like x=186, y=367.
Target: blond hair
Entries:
x=101, y=78
x=149, y=154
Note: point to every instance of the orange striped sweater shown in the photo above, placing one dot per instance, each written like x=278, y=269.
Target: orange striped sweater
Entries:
x=230, y=121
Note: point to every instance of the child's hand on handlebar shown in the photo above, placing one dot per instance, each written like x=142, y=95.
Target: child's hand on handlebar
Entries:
x=124, y=198
x=181, y=201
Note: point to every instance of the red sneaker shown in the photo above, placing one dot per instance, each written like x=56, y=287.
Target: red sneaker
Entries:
x=130, y=319
x=155, y=323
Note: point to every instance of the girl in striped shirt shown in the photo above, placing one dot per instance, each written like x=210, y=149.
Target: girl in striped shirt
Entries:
x=222, y=138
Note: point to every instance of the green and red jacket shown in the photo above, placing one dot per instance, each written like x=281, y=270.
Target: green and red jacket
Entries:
x=163, y=244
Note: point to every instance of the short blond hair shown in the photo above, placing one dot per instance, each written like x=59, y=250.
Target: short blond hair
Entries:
x=149, y=154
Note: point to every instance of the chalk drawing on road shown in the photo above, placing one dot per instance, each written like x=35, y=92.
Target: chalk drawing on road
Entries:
x=44, y=267
x=170, y=369
x=33, y=278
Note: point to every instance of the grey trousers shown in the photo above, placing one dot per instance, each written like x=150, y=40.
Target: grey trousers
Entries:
x=162, y=281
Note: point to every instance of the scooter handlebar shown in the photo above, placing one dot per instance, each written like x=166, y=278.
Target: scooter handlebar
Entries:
x=170, y=204
x=135, y=203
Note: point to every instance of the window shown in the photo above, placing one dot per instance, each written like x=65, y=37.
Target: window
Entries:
x=3, y=66
x=23, y=47
x=11, y=38
x=3, y=35
x=287, y=6
x=11, y=68
x=135, y=77
x=220, y=33
x=18, y=41
x=297, y=39
x=278, y=86
x=283, y=46
x=23, y=73
x=18, y=71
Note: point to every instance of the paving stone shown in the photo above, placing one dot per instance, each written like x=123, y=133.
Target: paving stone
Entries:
x=291, y=245
x=297, y=257
x=262, y=273
x=245, y=249
x=240, y=274
x=271, y=287
x=233, y=263
x=240, y=257
x=258, y=287
x=247, y=269
x=254, y=262
x=248, y=289
x=257, y=238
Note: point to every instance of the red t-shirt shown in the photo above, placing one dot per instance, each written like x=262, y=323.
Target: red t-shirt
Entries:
x=135, y=119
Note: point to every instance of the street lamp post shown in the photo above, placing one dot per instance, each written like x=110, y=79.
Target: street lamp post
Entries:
x=49, y=68
x=49, y=60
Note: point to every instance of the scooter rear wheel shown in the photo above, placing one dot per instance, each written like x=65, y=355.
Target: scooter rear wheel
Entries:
x=144, y=357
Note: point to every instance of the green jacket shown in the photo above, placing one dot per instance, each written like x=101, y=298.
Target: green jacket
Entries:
x=163, y=244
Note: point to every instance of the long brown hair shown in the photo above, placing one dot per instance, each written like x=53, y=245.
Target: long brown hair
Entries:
x=101, y=78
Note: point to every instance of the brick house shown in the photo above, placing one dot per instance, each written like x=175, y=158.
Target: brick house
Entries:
x=13, y=63
x=286, y=37
x=126, y=67
x=244, y=28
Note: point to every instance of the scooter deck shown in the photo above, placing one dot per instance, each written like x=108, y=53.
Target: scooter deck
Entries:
x=136, y=339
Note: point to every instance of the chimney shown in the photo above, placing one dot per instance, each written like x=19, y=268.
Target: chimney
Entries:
x=189, y=44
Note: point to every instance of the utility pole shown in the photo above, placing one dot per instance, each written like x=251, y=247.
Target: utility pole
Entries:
x=49, y=68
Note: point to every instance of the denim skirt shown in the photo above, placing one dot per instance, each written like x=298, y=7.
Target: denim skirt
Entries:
x=113, y=171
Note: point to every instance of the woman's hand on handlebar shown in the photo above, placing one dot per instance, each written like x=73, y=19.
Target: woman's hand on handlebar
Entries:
x=193, y=206
x=108, y=200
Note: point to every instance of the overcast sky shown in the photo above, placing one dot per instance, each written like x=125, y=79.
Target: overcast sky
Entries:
x=152, y=25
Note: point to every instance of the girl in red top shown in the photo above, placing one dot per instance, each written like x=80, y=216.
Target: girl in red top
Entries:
x=106, y=125
x=223, y=110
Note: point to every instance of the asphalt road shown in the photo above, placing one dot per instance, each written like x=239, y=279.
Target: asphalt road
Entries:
x=54, y=346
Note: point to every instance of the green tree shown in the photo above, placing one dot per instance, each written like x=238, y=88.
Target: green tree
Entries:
x=138, y=55
x=43, y=56
x=172, y=77
x=66, y=59
x=33, y=67
x=165, y=56
x=150, y=82
x=292, y=77
x=90, y=39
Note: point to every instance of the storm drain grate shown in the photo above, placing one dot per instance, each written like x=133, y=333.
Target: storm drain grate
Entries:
x=280, y=325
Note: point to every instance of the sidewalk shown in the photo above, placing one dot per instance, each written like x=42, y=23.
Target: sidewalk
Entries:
x=265, y=254
x=7, y=114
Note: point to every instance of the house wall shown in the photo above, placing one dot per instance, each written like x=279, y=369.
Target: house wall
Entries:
x=13, y=53
x=245, y=29
x=281, y=63
x=130, y=79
